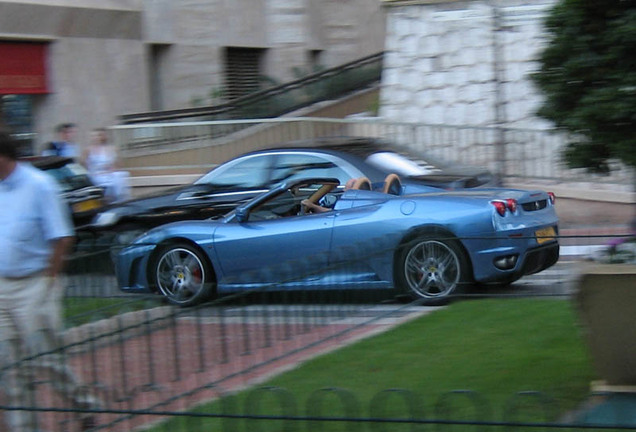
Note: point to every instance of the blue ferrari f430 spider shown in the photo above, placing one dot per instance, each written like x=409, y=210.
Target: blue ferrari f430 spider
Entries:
x=314, y=234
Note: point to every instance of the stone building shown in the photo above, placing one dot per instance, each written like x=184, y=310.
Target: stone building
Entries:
x=463, y=62
x=89, y=61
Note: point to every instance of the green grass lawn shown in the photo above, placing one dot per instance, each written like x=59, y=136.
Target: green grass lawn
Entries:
x=493, y=347
x=82, y=310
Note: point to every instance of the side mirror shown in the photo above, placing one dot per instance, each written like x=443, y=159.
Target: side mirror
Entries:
x=241, y=214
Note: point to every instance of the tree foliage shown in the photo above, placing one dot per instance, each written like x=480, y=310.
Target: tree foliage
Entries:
x=588, y=76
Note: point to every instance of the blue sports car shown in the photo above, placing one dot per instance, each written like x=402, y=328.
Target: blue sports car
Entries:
x=317, y=234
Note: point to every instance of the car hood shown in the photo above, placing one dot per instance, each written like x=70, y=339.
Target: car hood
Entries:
x=149, y=204
x=153, y=200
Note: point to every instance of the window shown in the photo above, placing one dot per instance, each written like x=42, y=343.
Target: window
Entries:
x=314, y=61
x=16, y=112
x=245, y=173
x=242, y=71
x=297, y=166
x=158, y=54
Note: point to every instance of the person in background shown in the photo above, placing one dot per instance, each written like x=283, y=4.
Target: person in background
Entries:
x=36, y=233
x=65, y=144
x=101, y=159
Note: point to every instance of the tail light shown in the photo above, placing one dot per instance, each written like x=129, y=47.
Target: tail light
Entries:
x=511, y=204
x=552, y=197
x=501, y=206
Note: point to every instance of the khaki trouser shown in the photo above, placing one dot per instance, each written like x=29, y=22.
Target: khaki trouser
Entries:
x=30, y=329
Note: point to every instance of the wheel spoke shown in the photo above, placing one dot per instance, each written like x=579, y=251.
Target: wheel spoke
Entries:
x=173, y=259
x=190, y=261
x=165, y=279
x=414, y=267
x=175, y=285
x=425, y=284
x=447, y=261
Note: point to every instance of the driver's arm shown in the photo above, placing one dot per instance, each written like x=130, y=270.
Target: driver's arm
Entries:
x=314, y=207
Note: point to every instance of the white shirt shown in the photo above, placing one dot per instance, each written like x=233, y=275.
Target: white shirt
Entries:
x=32, y=214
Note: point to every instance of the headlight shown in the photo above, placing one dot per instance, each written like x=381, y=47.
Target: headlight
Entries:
x=106, y=218
x=128, y=237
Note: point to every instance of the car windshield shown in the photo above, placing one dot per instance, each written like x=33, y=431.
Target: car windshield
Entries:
x=70, y=176
x=244, y=173
x=397, y=163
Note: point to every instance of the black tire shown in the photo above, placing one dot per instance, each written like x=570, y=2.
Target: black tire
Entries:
x=182, y=274
x=432, y=270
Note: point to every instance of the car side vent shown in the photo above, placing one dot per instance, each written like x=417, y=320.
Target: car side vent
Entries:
x=535, y=205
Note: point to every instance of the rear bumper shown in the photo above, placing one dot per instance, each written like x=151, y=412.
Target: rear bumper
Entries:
x=531, y=252
x=540, y=259
x=530, y=261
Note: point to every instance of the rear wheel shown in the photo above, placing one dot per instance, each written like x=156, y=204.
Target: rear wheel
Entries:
x=183, y=275
x=432, y=270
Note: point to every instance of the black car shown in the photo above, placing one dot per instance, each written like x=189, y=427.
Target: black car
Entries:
x=82, y=196
x=248, y=175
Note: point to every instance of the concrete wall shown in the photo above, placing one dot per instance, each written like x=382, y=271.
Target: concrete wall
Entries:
x=91, y=53
x=463, y=62
x=100, y=65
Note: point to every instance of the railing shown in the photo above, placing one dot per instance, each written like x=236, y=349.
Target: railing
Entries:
x=275, y=101
x=530, y=155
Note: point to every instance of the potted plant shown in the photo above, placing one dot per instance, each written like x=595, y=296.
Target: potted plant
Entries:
x=606, y=301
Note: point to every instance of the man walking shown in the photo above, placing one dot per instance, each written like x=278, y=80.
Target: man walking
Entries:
x=35, y=235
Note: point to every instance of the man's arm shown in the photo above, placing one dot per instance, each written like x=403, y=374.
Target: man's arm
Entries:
x=61, y=247
x=314, y=207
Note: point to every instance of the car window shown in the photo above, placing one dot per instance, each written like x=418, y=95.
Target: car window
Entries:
x=245, y=173
x=295, y=166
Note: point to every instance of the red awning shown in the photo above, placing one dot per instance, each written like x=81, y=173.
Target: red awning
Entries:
x=23, y=68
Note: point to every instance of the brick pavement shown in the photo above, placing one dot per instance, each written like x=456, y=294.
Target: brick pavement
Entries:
x=176, y=364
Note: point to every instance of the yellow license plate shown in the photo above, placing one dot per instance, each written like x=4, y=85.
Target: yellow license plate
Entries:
x=545, y=234
x=85, y=206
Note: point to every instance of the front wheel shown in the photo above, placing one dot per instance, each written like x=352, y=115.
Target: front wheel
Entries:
x=432, y=270
x=183, y=275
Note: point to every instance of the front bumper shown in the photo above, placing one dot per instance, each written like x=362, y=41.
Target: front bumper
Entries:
x=130, y=267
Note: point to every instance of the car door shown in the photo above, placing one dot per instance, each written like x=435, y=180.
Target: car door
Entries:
x=273, y=250
x=361, y=237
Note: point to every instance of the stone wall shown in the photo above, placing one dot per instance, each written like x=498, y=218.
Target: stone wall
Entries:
x=463, y=62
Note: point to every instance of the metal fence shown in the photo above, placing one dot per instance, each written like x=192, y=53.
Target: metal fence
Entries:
x=152, y=364
x=516, y=155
